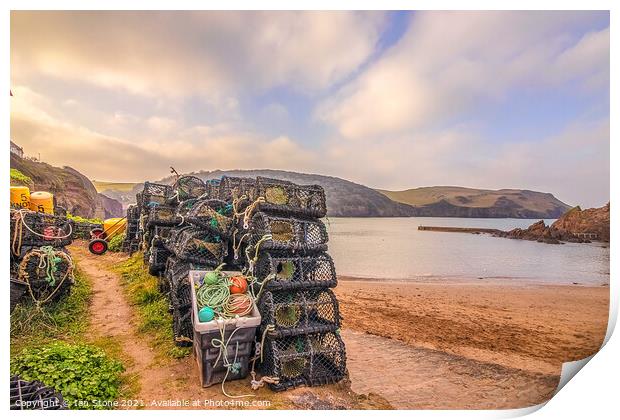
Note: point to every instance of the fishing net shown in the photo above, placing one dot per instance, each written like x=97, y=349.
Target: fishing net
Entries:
x=187, y=187
x=309, y=359
x=294, y=312
x=34, y=395
x=289, y=198
x=213, y=215
x=155, y=194
x=163, y=216
x=39, y=229
x=287, y=233
x=281, y=270
x=198, y=246
x=47, y=272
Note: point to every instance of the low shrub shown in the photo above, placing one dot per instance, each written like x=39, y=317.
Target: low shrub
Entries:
x=81, y=373
x=116, y=243
x=20, y=178
x=80, y=219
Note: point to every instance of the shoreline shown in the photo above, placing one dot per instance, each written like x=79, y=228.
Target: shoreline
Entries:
x=455, y=280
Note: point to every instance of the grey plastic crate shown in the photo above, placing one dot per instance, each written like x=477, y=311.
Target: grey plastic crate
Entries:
x=239, y=347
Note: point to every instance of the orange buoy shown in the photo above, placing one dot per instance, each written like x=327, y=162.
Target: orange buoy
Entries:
x=42, y=201
x=20, y=197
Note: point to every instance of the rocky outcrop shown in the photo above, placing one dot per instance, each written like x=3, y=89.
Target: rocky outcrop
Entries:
x=575, y=225
x=72, y=190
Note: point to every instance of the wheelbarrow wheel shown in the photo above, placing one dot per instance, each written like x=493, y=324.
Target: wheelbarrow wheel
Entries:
x=97, y=233
x=98, y=246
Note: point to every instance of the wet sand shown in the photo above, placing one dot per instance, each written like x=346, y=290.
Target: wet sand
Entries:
x=511, y=336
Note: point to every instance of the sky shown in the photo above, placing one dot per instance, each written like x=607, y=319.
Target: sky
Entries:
x=391, y=100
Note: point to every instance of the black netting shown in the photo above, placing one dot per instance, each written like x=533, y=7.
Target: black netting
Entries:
x=281, y=270
x=187, y=187
x=232, y=188
x=18, y=290
x=294, y=312
x=198, y=246
x=157, y=259
x=287, y=233
x=34, y=395
x=163, y=216
x=155, y=194
x=214, y=215
x=81, y=230
x=311, y=360
x=289, y=198
x=48, y=280
x=182, y=327
x=40, y=229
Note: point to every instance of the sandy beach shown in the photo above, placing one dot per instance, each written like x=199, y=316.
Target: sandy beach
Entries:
x=498, y=340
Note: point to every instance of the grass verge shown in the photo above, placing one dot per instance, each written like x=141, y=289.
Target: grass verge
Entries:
x=154, y=319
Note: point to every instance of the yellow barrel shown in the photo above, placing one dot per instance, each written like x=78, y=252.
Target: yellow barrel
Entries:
x=42, y=201
x=114, y=226
x=20, y=197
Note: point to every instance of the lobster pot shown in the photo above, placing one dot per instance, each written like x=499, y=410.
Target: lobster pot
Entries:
x=232, y=188
x=238, y=334
x=287, y=198
x=40, y=229
x=213, y=215
x=18, y=289
x=187, y=187
x=294, y=312
x=213, y=188
x=176, y=270
x=287, y=233
x=157, y=260
x=281, y=270
x=161, y=233
x=155, y=194
x=34, y=395
x=185, y=207
x=81, y=230
x=47, y=283
x=163, y=216
x=199, y=246
x=310, y=360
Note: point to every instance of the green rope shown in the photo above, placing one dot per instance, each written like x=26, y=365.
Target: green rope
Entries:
x=50, y=260
x=214, y=296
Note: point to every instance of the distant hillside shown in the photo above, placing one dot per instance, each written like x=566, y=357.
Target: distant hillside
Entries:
x=72, y=190
x=344, y=198
x=102, y=186
x=470, y=202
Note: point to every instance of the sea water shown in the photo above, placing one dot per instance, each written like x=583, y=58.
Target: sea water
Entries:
x=394, y=248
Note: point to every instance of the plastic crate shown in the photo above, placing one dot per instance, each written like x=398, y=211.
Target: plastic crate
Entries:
x=287, y=198
x=197, y=246
x=238, y=350
x=41, y=229
x=34, y=395
x=213, y=215
x=294, y=312
x=287, y=233
x=310, y=360
x=282, y=270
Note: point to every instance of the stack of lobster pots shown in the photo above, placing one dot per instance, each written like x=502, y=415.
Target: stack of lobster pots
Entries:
x=286, y=253
x=41, y=268
x=271, y=230
x=132, y=240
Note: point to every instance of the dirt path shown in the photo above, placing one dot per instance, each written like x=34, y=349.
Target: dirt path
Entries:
x=166, y=383
x=418, y=378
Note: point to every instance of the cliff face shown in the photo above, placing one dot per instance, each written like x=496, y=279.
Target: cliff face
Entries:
x=575, y=225
x=72, y=190
x=589, y=221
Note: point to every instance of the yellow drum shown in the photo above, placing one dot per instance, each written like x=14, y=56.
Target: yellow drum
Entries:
x=114, y=226
x=42, y=201
x=20, y=197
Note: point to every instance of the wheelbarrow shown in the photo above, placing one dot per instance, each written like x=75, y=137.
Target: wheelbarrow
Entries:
x=100, y=237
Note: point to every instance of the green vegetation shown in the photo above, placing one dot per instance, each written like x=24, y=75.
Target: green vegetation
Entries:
x=80, y=219
x=115, y=244
x=101, y=186
x=65, y=319
x=80, y=372
x=20, y=178
x=152, y=307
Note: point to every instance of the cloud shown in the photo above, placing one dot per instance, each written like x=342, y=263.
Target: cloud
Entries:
x=189, y=53
x=448, y=62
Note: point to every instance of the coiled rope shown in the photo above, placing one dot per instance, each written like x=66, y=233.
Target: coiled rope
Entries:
x=48, y=260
